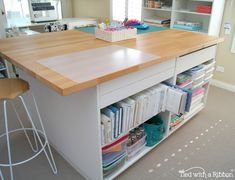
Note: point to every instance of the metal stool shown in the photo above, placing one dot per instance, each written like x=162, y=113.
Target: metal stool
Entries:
x=11, y=89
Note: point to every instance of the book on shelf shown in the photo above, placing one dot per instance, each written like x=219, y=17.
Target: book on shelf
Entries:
x=131, y=116
x=107, y=131
x=115, y=110
x=109, y=113
x=120, y=118
x=102, y=133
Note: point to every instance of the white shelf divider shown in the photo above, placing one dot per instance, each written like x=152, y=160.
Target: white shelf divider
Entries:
x=158, y=9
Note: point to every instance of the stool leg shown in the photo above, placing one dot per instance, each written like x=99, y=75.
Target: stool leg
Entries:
x=1, y=176
x=51, y=158
x=8, y=140
x=25, y=132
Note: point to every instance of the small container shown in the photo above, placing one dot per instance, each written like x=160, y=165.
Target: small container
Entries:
x=109, y=170
x=118, y=144
x=135, y=148
x=114, y=36
x=155, y=130
x=151, y=4
x=157, y=4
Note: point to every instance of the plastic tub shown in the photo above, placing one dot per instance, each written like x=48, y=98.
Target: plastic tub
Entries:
x=134, y=149
x=114, y=167
x=119, y=144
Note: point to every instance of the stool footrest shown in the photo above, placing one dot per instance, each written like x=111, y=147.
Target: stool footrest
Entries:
x=32, y=157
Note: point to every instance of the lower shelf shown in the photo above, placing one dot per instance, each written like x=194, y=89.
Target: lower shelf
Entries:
x=128, y=163
x=146, y=149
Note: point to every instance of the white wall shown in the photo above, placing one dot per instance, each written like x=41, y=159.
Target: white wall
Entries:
x=224, y=56
x=67, y=8
x=98, y=9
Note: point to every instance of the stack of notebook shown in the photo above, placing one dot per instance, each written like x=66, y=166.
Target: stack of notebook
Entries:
x=175, y=120
x=114, y=155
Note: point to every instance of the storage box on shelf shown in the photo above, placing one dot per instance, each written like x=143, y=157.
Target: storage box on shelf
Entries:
x=199, y=76
x=136, y=142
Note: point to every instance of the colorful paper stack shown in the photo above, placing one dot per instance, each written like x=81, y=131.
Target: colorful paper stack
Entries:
x=114, y=155
x=175, y=121
x=184, y=81
x=197, y=75
x=198, y=96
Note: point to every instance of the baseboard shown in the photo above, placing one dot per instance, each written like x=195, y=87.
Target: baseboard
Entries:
x=223, y=85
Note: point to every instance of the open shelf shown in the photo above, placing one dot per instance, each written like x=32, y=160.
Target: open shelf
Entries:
x=202, y=0
x=128, y=163
x=193, y=113
x=146, y=149
x=192, y=12
x=159, y=9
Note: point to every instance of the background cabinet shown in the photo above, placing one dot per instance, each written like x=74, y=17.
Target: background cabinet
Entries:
x=183, y=11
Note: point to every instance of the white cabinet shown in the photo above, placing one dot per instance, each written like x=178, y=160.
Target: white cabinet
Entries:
x=185, y=11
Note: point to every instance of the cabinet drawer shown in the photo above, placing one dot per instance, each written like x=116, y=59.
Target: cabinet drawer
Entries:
x=123, y=87
x=188, y=61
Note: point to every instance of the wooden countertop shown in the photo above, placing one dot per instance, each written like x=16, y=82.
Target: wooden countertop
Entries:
x=25, y=52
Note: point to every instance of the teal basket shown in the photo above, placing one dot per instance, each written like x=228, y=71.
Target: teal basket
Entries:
x=155, y=130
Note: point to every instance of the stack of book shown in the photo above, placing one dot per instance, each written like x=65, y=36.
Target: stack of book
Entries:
x=175, y=121
x=198, y=95
x=209, y=69
x=159, y=21
x=190, y=26
x=119, y=118
x=184, y=81
x=197, y=75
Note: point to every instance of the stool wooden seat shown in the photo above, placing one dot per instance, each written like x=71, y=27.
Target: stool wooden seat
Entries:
x=12, y=88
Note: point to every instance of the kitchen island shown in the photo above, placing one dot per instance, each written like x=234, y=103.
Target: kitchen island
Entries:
x=70, y=99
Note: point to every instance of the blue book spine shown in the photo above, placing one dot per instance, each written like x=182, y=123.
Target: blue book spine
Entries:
x=116, y=112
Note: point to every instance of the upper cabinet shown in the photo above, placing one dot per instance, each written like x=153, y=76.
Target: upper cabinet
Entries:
x=194, y=15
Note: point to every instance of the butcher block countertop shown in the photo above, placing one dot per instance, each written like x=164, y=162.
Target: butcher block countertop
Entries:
x=27, y=52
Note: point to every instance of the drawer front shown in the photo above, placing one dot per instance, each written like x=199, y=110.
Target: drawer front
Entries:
x=123, y=87
x=193, y=59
